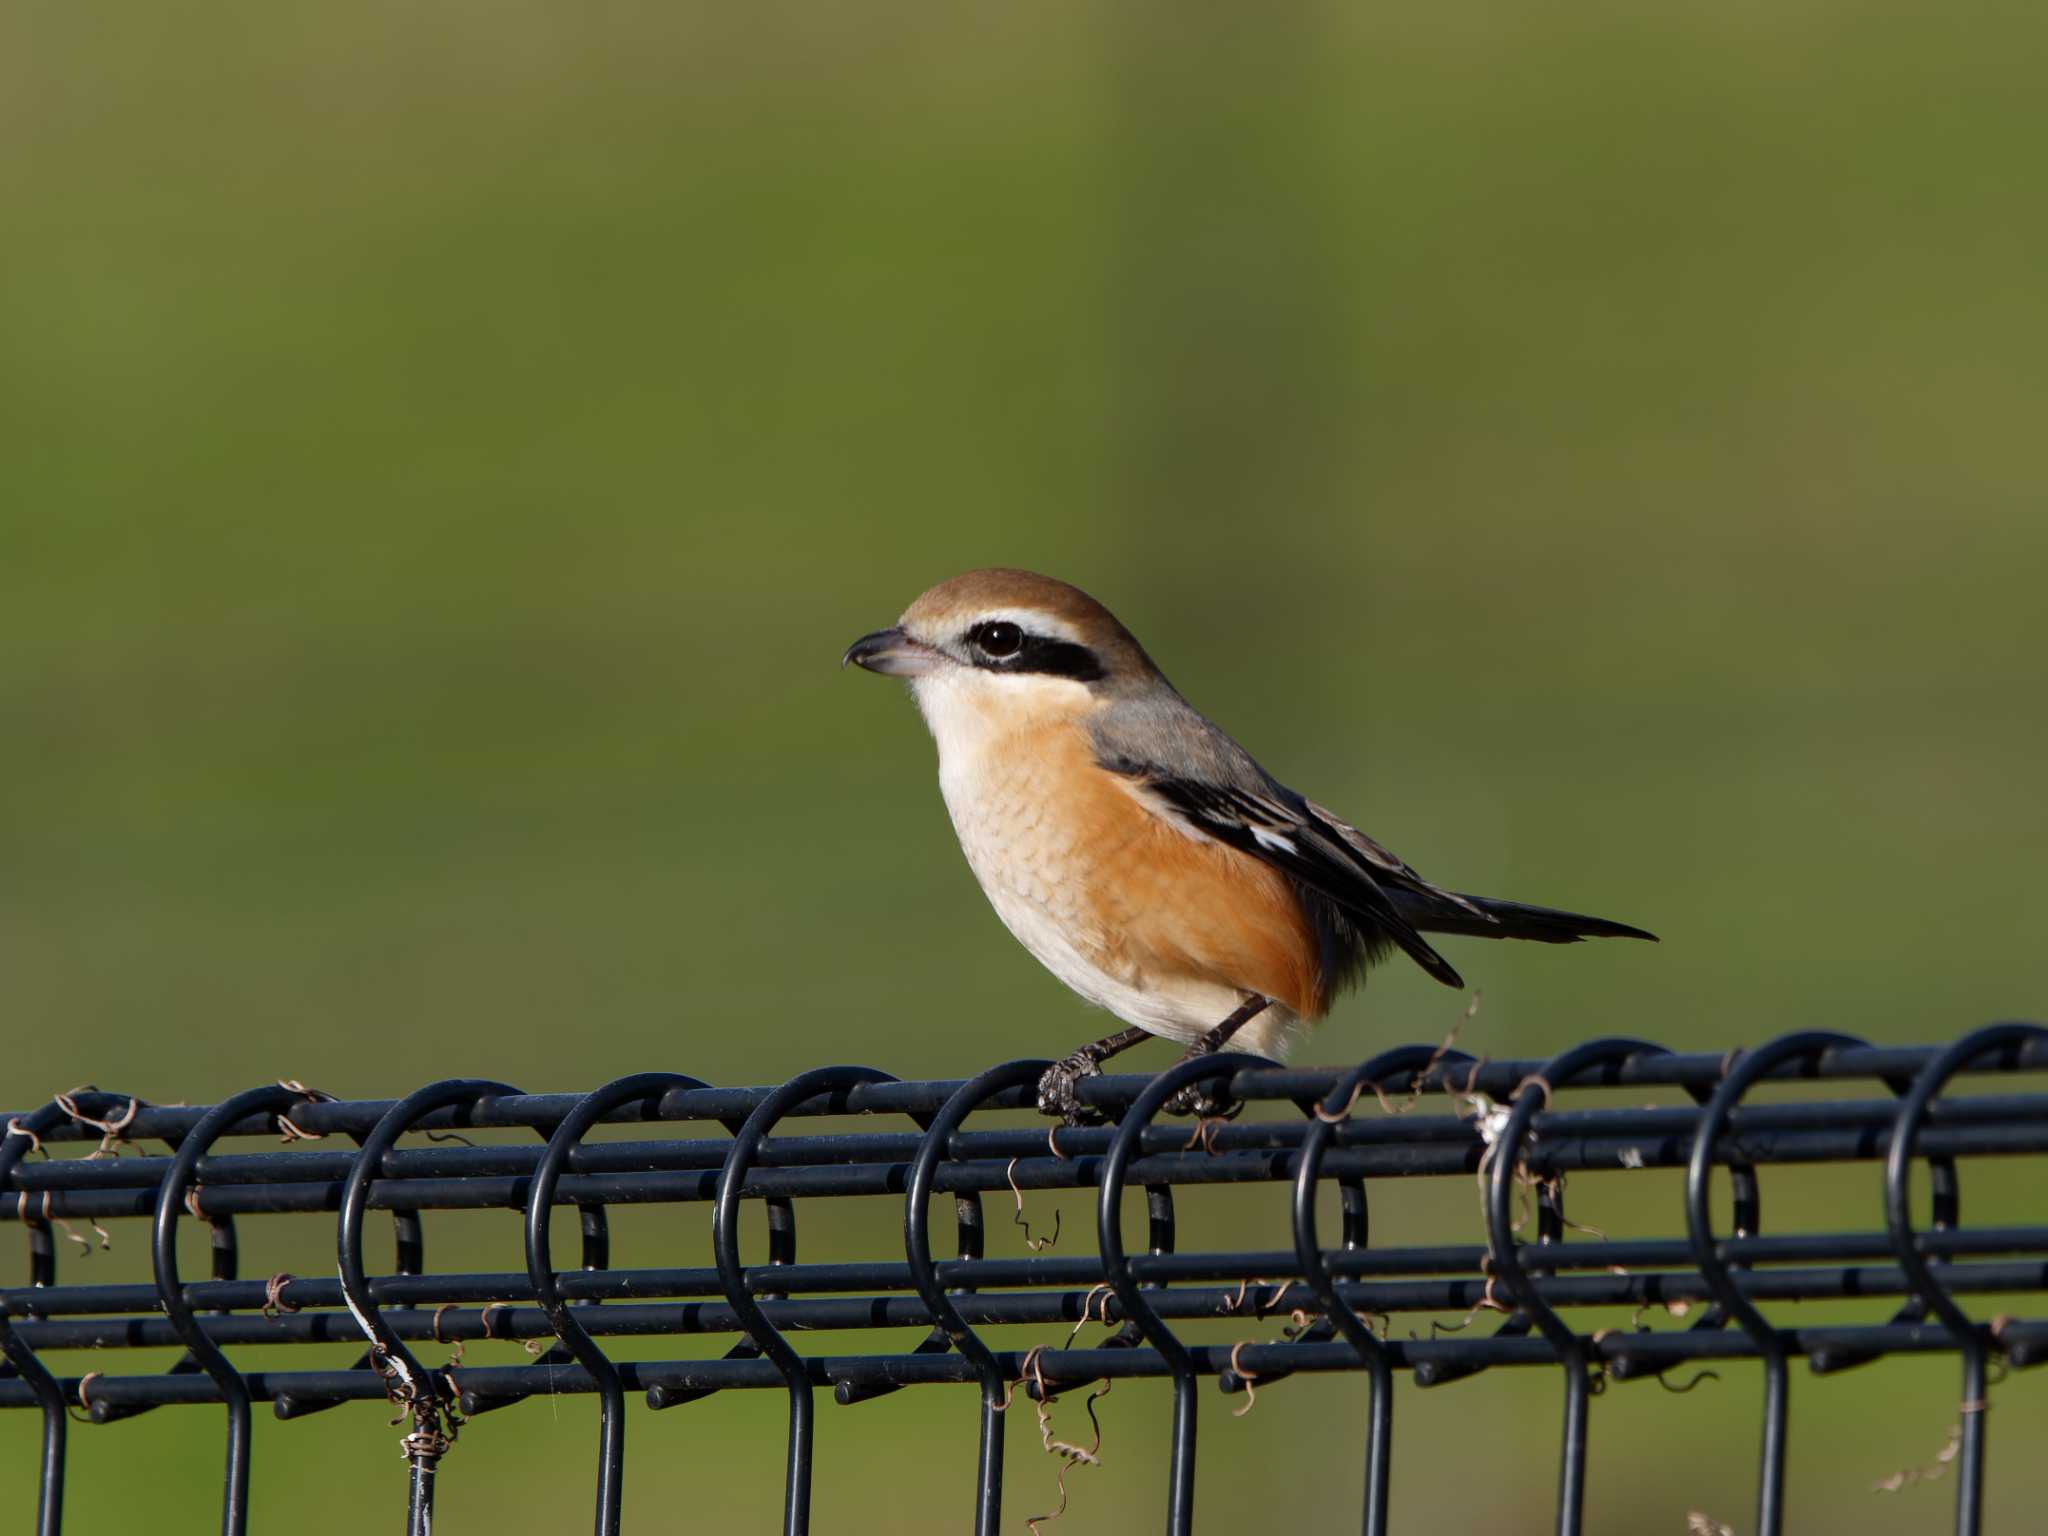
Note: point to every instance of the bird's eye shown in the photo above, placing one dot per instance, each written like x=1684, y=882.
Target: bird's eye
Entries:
x=997, y=639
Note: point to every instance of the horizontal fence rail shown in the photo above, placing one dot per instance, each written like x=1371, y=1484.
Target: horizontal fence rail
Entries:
x=750, y=1153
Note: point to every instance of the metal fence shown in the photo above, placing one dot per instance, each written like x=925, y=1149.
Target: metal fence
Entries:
x=1415, y=1111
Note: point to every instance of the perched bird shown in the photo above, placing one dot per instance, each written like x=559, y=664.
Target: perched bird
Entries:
x=1140, y=853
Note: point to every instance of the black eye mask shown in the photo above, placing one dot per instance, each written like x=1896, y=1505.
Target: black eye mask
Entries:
x=1000, y=646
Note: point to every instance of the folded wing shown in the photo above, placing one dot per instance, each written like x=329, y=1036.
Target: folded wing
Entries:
x=1305, y=842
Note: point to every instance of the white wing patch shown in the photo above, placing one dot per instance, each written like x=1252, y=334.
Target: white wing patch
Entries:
x=1272, y=840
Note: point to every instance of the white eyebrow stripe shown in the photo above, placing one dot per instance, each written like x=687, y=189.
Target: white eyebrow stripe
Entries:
x=1033, y=621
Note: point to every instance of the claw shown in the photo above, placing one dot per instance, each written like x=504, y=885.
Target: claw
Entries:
x=1056, y=1090
x=1198, y=1100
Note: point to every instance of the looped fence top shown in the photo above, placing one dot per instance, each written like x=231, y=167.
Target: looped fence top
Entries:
x=637, y=1088
x=23, y=1134
x=272, y=1100
x=917, y=1247
x=1116, y=1269
x=882, y=1317
x=1373, y=1076
x=415, y=1383
x=732, y=1273
x=1806, y=1046
x=1534, y=1093
x=1973, y=1341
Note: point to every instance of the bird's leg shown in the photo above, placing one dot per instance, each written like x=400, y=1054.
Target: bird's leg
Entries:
x=1195, y=1099
x=1056, y=1094
x=1220, y=1036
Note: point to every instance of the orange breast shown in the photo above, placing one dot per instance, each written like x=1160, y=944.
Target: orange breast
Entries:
x=1168, y=906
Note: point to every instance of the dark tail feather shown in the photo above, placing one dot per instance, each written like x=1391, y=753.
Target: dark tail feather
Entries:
x=1418, y=949
x=1510, y=920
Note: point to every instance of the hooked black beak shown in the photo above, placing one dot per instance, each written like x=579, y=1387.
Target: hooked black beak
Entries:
x=893, y=654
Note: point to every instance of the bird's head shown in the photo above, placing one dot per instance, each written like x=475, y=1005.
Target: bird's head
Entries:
x=1003, y=645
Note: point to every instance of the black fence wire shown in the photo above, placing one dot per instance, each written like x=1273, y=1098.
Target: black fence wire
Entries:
x=1415, y=1111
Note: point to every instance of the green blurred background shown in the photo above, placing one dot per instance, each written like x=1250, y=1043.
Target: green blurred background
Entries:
x=447, y=448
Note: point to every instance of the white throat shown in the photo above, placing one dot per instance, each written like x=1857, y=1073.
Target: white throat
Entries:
x=968, y=709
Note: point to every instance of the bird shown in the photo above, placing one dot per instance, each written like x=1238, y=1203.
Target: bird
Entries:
x=1137, y=851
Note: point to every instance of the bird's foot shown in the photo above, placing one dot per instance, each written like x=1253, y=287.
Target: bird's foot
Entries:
x=1204, y=1101
x=1058, y=1085
x=1209, y=1102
